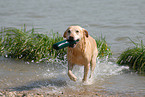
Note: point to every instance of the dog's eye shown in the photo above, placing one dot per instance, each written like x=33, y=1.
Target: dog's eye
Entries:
x=69, y=31
x=77, y=31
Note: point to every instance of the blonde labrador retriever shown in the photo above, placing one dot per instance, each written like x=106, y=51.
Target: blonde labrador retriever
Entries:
x=83, y=53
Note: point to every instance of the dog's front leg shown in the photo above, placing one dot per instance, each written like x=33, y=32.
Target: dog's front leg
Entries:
x=86, y=70
x=70, y=74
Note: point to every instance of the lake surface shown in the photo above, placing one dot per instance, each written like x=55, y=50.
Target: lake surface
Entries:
x=115, y=19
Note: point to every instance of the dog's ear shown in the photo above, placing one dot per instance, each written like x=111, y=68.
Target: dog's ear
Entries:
x=64, y=35
x=85, y=32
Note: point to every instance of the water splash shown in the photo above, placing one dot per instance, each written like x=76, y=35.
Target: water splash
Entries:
x=104, y=69
x=52, y=77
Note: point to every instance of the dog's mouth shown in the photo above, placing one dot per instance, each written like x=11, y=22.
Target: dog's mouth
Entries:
x=73, y=43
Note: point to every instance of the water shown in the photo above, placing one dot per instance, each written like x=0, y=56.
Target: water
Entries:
x=117, y=20
x=52, y=78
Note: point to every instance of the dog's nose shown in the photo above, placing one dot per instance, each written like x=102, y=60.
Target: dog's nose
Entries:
x=71, y=38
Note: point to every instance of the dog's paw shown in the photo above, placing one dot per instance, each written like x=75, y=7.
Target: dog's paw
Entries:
x=73, y=78
x=88, y=82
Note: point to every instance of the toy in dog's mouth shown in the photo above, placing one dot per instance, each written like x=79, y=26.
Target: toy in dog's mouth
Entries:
x=73, y=43
x=65, y=43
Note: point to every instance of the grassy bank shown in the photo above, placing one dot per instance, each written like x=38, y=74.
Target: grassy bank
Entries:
x=32, y=46
x=134, y=58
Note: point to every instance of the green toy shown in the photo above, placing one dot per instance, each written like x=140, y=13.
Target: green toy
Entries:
x=64, y=43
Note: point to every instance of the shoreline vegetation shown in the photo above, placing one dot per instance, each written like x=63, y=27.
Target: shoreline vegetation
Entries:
x=32, y=46
x=134, y=57
x=29, y=45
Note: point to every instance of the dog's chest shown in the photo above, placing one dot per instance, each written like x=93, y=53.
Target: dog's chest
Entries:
x=77, y=57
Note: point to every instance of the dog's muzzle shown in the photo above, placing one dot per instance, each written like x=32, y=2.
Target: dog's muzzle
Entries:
x=72, y=39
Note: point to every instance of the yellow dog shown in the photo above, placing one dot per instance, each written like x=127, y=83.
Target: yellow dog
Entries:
x=83, y=53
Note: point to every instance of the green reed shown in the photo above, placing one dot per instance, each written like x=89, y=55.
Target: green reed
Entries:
x=28, y=45
x=35, y=47
x=103, y=48
x=134, y=57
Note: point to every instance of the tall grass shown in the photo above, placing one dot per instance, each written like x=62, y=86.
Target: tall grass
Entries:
x=103, y=48
x=29, y=45
x=32, y=46
x=134, y=57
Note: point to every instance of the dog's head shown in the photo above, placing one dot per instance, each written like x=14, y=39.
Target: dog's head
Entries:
x=75, y=33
